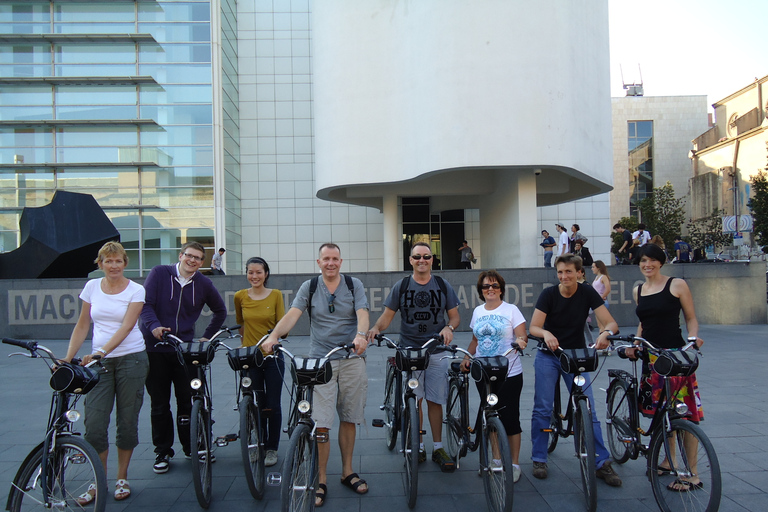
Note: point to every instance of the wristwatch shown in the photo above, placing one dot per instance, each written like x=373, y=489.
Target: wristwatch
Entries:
x=361, y=333
x=451, y=328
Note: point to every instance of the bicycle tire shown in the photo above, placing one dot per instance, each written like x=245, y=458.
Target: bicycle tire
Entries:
x=498, y=481
x=585, y=452
x=300, y=471
x=454, y=430
x=411, y=451
x=704, y=464
x=555, y=421
x=73, y=466
x=391, y=400
x=619, y=421
x=252, y=446
x=200, y=436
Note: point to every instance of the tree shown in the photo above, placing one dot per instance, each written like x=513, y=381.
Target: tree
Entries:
x=758, y=205
x=663, y=214
x=708, y=231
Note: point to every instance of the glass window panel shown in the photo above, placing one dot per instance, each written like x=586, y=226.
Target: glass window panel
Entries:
x=156, y=11
x=110, y=196
x=179, y=218
x=127, y=222
x=177, y=176
x=25, y=113
x=95, y=95
x=9, y=222
x=167, y=257
x=27, y=95
x=190, y=155
x=95, y=70
x=25, y=11
x=94, y=28
x=25, y=197
x=178, y=73
x=81, y=53
x=188, y=52
x=25, y=54
x=102, y=135
x=93, y=11
x=176, y=135
x=23, y=71
x=85, y=154
x=645, y=129
x=25, y=28
x=99, y=177
x=177, y=32
x=10, y=155
x=178, y=114
x=178, y=197
x=96, y=112
x=175, y=94
x=13, y=137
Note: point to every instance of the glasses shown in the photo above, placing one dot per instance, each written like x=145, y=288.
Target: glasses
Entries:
x=192, y=257
x=417, y=257
x=331, y=307
x=495, y=286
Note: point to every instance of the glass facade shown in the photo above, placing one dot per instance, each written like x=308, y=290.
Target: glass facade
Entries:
x=640, y=146
x=116, y=99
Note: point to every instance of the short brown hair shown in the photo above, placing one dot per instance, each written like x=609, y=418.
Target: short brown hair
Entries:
x=329, y=245
x=193, y=245
x=421, y=244
x=492, y=275
x=110, y=248
x=570, y=259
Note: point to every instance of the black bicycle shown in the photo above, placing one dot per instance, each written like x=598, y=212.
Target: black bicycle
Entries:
x=490, y=435
x=401, y=406
x=678, y=452
x=299, y=479
x=196, y=358
x=577, y=419
x=63, y=471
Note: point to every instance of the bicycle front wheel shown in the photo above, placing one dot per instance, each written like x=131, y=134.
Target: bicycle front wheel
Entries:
x=391, y=396
x=619, y=421
x=496, y=467
x=200, y=433
x=251, y=446
x=300, y=476
x=454, y=431
x=555, y=421
x=690, y=472
x=411, y=451
x=585, y=452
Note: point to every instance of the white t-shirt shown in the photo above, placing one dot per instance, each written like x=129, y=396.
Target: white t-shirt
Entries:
x=494, y=331
x=107, y=313
x=563, y=241
x=645, y=237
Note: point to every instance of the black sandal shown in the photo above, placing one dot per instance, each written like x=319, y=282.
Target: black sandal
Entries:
x=684, y=486
x=355, y=486
x=321, y=495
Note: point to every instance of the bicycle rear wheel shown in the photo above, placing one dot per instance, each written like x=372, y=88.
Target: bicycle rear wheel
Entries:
x=200, y=434
x=411, y=451
x=687, y=455
x=391, y=397
x=619, y=421
x=497, y=476
x=454, y=431
x=251, y=446
x=585, y=452
x=72, y=467
x=299, y=483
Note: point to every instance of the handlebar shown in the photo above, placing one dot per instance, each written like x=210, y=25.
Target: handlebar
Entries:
x=636, y=341
x=436, y=339
x=33, y=347
x=349, y=347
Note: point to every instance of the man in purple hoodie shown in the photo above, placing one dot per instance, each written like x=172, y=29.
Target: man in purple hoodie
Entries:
x=175, y=296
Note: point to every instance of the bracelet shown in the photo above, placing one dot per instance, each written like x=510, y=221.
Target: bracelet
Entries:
x=610, y=333
x=451, y=328
x=361, y=333
x=101, y=350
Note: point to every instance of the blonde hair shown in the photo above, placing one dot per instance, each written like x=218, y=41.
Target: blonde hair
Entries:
x=110, y=248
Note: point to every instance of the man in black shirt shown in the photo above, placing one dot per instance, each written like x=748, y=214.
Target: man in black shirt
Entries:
x=626, y=236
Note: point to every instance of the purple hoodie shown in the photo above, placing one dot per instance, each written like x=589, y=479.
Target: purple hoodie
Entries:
x=169, y=305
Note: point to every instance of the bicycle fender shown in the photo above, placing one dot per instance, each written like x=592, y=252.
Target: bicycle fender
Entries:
x=16, y=478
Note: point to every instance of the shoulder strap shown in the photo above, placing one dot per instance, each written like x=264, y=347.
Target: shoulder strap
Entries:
x=351, y=286
x=441, y=283
x=403, y=288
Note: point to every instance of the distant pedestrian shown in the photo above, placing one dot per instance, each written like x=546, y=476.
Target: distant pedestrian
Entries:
x=626, y=236
x=641, y=234
x=576, y=236
x=562, y=241
x=217, y=267
x=548, y=244
x=467, y=258
x=682, y=251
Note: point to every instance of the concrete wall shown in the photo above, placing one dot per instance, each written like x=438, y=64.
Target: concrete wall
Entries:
x=724, y=293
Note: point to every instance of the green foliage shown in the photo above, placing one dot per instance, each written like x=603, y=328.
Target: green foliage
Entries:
x=630, y=224
x=663, y=214
x=708, y=231
x=758, y=205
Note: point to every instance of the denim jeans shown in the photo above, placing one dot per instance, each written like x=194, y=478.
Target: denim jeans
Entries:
x=268, y=382
x=548, y=373
x=548, y=259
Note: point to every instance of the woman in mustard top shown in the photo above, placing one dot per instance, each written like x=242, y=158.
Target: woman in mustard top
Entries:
x=258, y=309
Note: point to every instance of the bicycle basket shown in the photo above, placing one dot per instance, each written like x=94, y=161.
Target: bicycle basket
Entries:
x=492, y=368
x=198, y=353
x=676, y=363
x=411, y=359
x=311, y=371
x=244, y=358
x=573, y=360
x=72, y=378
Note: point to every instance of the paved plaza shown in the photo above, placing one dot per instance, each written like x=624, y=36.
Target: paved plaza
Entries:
x=730, y=378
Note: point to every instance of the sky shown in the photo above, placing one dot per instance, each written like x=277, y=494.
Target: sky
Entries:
x=687, y=47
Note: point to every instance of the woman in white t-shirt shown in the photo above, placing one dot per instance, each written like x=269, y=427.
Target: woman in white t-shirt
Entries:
x=114, y=303
x=495, y=325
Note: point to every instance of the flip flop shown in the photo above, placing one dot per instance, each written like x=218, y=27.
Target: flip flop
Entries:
x=87, y=497
x=355, y=486
x=661, y=470
x=321, y=495
x=122, y=490
x=685, y=486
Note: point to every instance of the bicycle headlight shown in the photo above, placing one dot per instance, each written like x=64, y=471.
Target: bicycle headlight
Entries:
x=492, y=399
x=681, y=408
x=246, y=382
x=72, y=415
x=303, y=407
x=579, y=380
x=413, y=383
x=196, y=384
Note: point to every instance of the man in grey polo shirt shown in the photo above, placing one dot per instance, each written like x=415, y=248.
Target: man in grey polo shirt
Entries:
x=423, y=301
x=338, y=313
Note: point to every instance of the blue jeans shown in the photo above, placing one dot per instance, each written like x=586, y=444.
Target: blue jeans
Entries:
x=548, y=373
x=548, y=259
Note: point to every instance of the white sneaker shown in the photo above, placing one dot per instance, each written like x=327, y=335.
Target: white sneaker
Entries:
x=271, y=458
x=516, y=472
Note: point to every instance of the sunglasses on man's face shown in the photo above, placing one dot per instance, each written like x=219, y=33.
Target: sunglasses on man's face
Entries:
x=417, y=257
x=331, y=307
x=495, y=286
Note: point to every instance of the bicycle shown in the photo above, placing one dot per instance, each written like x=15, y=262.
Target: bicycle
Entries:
x=673, y=439
x=577, y=420
x=297, y=490
x=196, y=357
x=401, y=406
x=63, y=470
x=490, y=434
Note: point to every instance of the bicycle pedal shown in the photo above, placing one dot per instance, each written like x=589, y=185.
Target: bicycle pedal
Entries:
x=274, y=479
x=377, y=423
x=225, y=440
x=548, y=430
